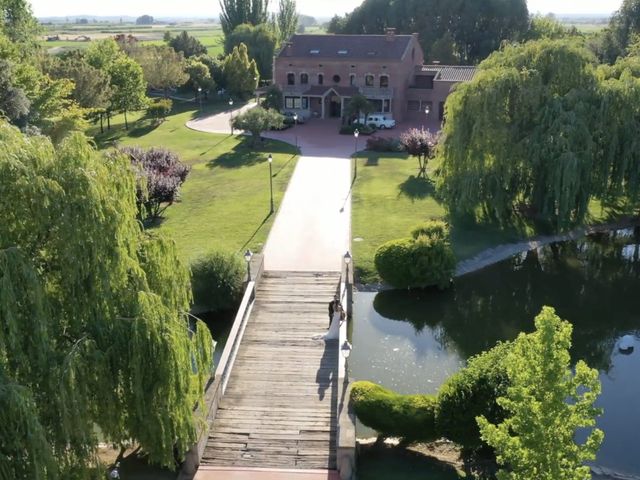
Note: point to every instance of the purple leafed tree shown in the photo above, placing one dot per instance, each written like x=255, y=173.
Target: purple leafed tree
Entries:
x=159, y=175
x=420, y=144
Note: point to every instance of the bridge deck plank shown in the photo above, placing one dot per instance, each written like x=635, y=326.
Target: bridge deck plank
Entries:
x=279, y=408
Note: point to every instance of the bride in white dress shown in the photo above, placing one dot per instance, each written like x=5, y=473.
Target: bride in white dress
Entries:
x=334, y=329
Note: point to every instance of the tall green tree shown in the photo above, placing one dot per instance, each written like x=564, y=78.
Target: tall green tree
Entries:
x=14, y=104
x=260, y=42
x=91, y=88
x=287, y=19
x=17, y=22
x=237, y=12
x=623, y=26
x=477, y=28
x=94, y=329
x=129, y=86
x=523, y=134
x=163, y=67
x=241, y=74
x=359, y=107
x=188, y=45
x=199, y=75
x=546, y=403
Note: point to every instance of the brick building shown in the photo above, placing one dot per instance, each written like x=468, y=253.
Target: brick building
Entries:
x=318, y=74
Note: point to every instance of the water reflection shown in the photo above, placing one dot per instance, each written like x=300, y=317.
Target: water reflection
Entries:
x=412, y=341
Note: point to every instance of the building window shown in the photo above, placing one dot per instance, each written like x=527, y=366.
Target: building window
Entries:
x=320, y=79
x=305, y=103
x=386, y=106
x=352, y=79
x=304, y=78
x=336, y=79
x=295, y=103
x=424, y=81
x=384, y=81
x=368, y=80
x=291, y=79
x=413, y=105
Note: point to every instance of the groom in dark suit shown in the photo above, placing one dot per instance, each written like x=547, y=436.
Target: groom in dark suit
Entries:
x=333, y=306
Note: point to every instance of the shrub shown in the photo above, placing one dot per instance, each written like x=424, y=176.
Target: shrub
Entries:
x=160, y=108
x=363, y=129
x=410, y=417
x=424, y=260
x=159, y=176
x=470, y=393
x=380, y=144
x=217, y=281
x=431, y=228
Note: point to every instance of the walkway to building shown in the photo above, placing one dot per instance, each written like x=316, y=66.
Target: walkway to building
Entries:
x=280, y=408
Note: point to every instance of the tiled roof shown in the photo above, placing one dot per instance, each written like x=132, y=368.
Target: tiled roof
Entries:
x=456, y=73
x=448, y=73
x=347, y=46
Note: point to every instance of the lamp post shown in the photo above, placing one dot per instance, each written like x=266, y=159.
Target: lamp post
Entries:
x=427, y=109
x=200, y=96
x=356, y=134
x=347, y=260
x=231, y=114
x=115, y=472
x=247, y=258
x=271, y=180
x=295, y=122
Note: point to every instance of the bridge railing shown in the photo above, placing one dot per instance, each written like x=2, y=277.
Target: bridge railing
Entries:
x=206, y=412
x=346, y=442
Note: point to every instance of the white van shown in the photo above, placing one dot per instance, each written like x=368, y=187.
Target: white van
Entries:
x=378, y=121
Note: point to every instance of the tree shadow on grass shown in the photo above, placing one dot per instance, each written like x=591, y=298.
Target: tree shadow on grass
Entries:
x=417, y=188
x=242, y=155
x=253, y=235
x=110, y=138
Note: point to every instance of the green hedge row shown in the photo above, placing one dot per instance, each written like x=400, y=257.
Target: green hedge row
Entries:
x=423, y=260
x=451, y=414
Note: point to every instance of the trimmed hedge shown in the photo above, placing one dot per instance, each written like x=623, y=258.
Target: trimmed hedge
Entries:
x=410, y=417
x=381, y=144
x=217, y=281
x=470, y=393
x=363, y=129
x=426, y=259
x=451, y=414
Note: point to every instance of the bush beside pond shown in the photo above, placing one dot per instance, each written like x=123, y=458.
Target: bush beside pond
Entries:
x=410, y=417
x=426, y=259
x=451, y=414
x=217, y=280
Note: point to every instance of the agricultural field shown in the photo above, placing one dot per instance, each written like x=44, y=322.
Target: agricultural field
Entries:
x=72, y=37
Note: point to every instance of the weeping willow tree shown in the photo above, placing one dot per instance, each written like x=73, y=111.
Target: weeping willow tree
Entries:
x=93, y=323
x=521, y=134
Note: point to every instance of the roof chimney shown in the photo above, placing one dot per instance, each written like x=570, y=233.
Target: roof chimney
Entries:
x=391, y=34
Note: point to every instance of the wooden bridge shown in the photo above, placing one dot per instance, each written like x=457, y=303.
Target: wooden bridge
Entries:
x=277, y=401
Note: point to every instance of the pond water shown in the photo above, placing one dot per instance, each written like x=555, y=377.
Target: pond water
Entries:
x=412, y=341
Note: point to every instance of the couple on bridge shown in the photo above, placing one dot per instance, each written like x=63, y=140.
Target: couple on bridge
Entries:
x=336, y=315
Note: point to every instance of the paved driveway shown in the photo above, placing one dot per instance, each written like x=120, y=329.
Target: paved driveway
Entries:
x=312, y=230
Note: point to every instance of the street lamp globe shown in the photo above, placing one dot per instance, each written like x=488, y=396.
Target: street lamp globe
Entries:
x=347, y=258
x=427, y=110
x=270, y=158
x=199, y=89
x=295, y=117
x=356, y=133
x=247, y=256
x=231, y=102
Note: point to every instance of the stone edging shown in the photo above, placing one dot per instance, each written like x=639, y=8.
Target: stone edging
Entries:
x=502, y=252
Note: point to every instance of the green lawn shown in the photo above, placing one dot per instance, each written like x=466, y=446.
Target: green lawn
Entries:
x=388, y=201
x=225, y=200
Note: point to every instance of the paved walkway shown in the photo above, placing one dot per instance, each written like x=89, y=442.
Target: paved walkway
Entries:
x=214, y=473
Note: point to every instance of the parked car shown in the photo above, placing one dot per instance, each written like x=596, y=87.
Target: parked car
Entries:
x=289, y=117
x=379, y=121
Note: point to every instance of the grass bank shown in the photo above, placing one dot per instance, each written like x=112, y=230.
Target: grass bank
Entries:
x=225, y=200
x=388, y=200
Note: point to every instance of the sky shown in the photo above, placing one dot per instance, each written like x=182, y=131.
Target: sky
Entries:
x=318, y=8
